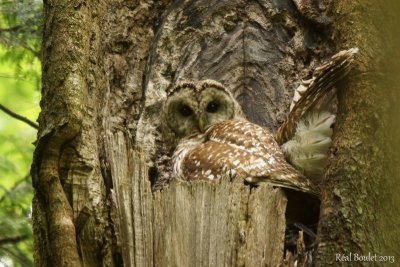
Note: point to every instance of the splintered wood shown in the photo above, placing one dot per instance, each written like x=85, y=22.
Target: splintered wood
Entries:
x=193, y=224
x=222, y=224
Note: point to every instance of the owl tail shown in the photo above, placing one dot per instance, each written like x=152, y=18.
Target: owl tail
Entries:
x=307, y=150
x=300, y=185
x=286, y=177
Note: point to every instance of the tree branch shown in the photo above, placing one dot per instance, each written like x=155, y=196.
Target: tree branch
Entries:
x=19, y=42
x=12, y=239
x=33, y=51
x=11, y=29
x=24, y=179
x=18, y=117
x=18, y=255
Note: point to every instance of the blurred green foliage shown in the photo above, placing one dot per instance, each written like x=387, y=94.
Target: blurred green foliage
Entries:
x=20, y=40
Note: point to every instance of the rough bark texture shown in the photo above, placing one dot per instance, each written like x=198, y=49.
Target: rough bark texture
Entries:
x=106, y=67
x=360, y=207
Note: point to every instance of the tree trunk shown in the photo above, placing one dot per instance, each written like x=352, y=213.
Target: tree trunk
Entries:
x=359, y=210
x=106, y=68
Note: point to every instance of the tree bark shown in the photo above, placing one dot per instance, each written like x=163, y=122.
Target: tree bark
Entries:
x=360, y=202
x=106, y=68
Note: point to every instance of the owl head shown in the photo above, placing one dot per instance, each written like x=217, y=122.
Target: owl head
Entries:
x=191, y=107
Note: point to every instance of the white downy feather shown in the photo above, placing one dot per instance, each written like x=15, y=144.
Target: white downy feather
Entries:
x=308, y=149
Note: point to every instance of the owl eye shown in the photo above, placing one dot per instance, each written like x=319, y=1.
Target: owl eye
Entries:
x=185, y=111
x=212, y=107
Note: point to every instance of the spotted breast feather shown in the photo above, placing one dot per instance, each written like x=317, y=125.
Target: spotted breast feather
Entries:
x=238, y=149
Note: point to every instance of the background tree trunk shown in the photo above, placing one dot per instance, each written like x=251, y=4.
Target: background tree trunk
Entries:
x=359, y=210
x=106, y=68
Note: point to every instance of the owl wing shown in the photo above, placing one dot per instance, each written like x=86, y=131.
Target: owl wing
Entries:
x=311, y=91
x=238, y=148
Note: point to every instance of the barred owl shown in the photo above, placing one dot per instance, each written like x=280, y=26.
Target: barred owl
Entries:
x=214, y=139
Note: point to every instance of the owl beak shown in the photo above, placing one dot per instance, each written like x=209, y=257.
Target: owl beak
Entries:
x=201, y=124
